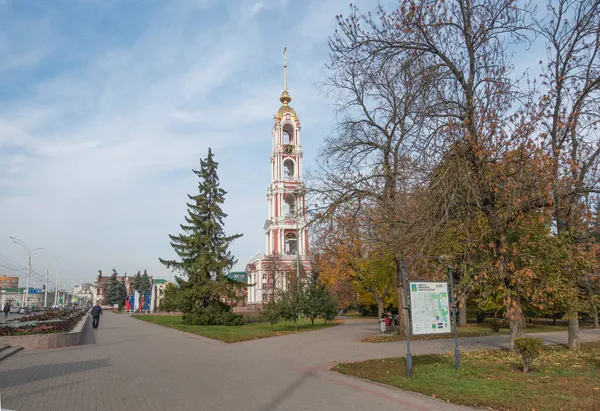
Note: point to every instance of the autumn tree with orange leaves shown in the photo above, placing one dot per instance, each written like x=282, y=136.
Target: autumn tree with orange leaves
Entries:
x=349, y=256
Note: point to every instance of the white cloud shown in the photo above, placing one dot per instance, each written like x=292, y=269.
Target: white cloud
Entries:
x=95, y=160
x=256, y=8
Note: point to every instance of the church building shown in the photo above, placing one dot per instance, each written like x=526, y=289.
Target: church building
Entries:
x=286, y=235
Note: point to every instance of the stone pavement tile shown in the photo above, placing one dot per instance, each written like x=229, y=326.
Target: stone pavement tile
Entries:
x=134, y=365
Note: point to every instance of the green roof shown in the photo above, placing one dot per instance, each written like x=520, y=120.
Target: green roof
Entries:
x=238, y=276
x=159, y=281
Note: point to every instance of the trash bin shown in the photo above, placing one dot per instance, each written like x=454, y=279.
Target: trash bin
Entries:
x=382, y=326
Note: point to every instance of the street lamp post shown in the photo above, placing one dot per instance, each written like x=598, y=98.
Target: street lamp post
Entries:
x=29, y=254
x=46, y=287
x=46, y=290
x=56, y=288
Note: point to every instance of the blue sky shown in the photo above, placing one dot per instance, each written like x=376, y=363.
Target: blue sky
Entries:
x=106, y=106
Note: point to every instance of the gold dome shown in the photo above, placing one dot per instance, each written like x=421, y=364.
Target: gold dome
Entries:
x=285, y=100
x=285, y=109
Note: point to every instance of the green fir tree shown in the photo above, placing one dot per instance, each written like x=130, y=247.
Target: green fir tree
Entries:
x=136, y=282
x=115, y=290
x=204, y=256
x=145, y=283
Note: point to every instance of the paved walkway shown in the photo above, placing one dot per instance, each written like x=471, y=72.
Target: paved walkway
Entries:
x=134, y=365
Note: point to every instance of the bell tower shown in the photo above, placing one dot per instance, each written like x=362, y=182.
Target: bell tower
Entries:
x=286, y=236
x=285, y=227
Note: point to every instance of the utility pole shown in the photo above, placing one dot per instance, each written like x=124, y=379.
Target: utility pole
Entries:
x=26, y=296
x=29, y=254
x=46, y=288
x=56, y=290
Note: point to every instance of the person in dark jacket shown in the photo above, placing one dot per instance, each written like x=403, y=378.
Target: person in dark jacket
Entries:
x=6, y=309
x=96, y=313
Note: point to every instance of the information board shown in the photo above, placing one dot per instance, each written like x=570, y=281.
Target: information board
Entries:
x=429, y=307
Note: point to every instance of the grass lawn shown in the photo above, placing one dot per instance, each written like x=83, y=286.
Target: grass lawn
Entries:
x=227, y=334
x=561, y=379
x=471, y=330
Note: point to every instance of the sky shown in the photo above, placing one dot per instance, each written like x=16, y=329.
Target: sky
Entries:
x=107, y=105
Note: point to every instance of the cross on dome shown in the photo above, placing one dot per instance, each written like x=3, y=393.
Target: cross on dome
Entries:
x=285, y=96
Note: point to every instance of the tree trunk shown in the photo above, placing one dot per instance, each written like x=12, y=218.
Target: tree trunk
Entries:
x=574, y=338
x=593, y=306
x=379, y=306
x=462, y=312
x=402, y=320
x=516, y=321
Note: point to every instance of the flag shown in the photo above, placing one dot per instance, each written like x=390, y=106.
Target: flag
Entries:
x=136, y=298
x=152, y=298
x=127, y=304
x=146, y=300
x=131, y=302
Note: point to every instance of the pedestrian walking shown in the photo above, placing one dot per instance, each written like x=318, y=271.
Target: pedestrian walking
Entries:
x=96, y=313
x=6, y=310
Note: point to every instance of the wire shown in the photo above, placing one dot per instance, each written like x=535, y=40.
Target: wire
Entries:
x=9, y=260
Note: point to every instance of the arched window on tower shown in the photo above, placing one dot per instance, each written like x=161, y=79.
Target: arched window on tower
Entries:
x=291, y=244
x=289, y=206
x=288, y=168
x=288, y=134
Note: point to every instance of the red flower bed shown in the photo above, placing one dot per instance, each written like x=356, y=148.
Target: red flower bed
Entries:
x=42, y=324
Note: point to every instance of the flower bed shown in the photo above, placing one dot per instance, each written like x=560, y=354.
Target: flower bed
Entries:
x=47, y=323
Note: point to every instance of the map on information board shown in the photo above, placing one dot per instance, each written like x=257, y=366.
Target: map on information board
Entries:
x=429, y=307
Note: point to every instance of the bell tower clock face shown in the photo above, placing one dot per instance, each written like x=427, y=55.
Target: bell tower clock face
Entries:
x=289, y=149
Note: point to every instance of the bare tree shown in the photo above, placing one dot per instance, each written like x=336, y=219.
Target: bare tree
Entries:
x=572, y=77
x=381, y=149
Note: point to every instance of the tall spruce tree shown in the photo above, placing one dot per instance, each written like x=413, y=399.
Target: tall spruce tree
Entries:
x=136, y=282
x=122, y=291
x=144, y=284
x=115, y=291
x=204, y=256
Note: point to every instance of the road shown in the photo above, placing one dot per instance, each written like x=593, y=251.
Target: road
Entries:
x=132, y=365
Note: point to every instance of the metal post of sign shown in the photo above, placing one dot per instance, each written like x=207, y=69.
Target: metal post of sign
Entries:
x=409, y=367
x=454, y=308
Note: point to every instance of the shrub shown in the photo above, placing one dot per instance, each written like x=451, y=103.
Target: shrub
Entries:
x=495, y=324
x=271, y=312
x=529, y=349
x=252, y=317
x=331, y=309
x=216, y=313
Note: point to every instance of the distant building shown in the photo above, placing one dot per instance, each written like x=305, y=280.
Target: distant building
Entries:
x=161, y=286
x=9, y=282
x=242, y=278
x=37, y=296
x=97, y=290
x=82, y=294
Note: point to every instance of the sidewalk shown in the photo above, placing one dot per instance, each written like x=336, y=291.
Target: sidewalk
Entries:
x=132, y=365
